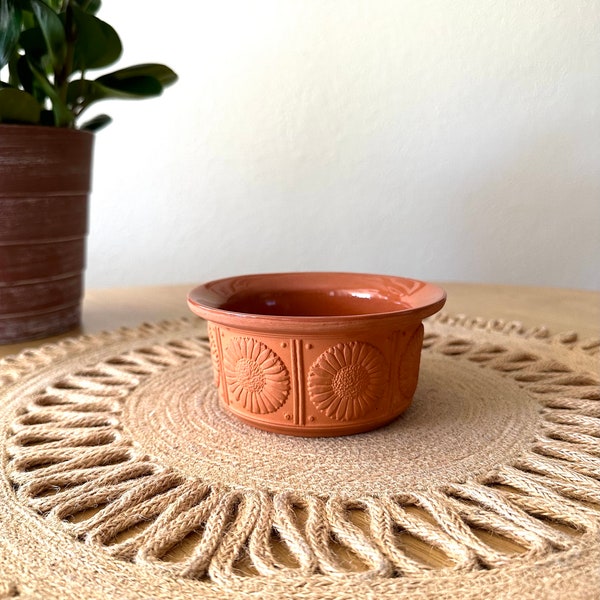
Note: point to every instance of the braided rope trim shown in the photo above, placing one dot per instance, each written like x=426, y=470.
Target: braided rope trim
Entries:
x=70, y=462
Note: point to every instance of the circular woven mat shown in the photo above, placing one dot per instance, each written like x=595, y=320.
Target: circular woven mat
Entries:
x=122, y=477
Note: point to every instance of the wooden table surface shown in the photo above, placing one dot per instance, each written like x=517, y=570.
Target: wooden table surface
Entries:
x=559, y=309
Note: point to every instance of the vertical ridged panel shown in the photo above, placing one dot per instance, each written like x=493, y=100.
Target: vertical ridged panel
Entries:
x=297, y=360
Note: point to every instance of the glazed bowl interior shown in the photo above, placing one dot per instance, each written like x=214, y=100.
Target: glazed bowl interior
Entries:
x=316, y=295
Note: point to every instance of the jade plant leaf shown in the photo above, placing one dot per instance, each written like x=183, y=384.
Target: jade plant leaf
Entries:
x=97, y=44
x=17, y=106
x=90, y=6
x=96, y=123
x=53, y=32
x=25, y=74
x=33, y=43
x=139, y=81
x=28, y=81
x=161, y=73
x=55, y=5
x=83, y=92
x=11, y=19
x=133, y=86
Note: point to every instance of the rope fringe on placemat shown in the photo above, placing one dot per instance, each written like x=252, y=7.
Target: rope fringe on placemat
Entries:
x=72, y=462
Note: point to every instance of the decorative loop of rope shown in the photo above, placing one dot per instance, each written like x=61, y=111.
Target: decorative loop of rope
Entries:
x=70, y=460
x=9, y=590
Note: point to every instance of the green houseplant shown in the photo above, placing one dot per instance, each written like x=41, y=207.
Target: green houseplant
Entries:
x=48, y=48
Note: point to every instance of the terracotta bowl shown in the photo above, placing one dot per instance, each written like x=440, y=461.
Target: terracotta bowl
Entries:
x=316, y=354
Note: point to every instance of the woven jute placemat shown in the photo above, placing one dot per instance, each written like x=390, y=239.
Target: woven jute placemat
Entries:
x=122, y=477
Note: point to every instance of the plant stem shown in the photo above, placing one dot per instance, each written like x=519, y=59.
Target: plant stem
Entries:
x=80, y=105
x=13, y=76
x=61, y=78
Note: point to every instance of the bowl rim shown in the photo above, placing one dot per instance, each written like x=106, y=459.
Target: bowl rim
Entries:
x=198, y=304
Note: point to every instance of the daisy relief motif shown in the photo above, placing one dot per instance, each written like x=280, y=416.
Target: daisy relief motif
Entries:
x=347, y=380
x=255, y=375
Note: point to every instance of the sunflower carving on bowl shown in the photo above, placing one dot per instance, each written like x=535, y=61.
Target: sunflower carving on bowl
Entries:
x=255, y=376
x=347, y=381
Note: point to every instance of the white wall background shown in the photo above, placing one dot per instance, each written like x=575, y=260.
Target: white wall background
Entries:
x=444, y=140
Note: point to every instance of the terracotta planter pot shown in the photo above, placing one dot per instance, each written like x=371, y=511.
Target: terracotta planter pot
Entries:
x=45, y=175
x=316, y=354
